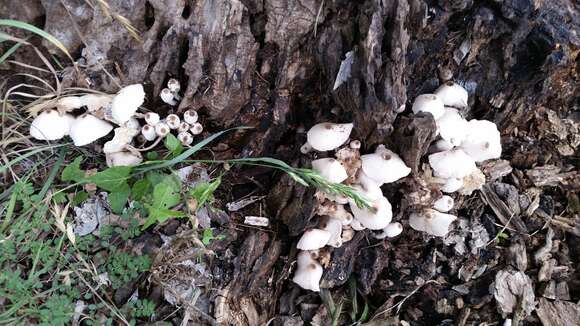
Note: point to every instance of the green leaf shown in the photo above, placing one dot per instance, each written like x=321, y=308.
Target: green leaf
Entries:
x=159, y=215
x=112, y=179
x=152, y=155
x=73, y=171
x=203, y=191
x=167, y=193
x=118, y=198
x=208, y=236
x=141, y=188
x=173, y=145
x=80, y=197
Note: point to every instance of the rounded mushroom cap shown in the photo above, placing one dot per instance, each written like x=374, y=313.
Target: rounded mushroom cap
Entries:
x=161, y=129
x=50, y=125
x=440, y=146
x=167, y=96
x=393, y=229
x=126, y=102
x=308, y=273
x=185, y=138
x=133, y=124
x=334, y=227
x=190, y=116
x=124, y=158
x=444, y=204
x=327, y=136
x=452, y=94
x=173, y=121
x=152, y=118
x=384, y=166
x=94, y=102
x=452, y=185
x=453, y=163
x=432, y=222
x=452, y=127
x=88, y=128
x=196, y=128
x=330, y=169
x=148, y=131
x=173, y=85
x=313, y=239
x=483, y=140
x=69, y=103
x=375, y=218
x=430, y=103
x=367, y=186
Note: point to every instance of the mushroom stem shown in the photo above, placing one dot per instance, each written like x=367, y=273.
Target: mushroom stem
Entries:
x=131, y=148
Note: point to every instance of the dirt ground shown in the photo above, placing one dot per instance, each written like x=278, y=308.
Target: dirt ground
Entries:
x=514, y=252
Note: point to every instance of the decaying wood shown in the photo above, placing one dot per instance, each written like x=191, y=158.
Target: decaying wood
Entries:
x=558, y=313
x=501, y=210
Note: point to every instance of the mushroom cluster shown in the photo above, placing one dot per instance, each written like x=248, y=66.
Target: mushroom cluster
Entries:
x=453, y=156
x=366, y=173
x=102, y=111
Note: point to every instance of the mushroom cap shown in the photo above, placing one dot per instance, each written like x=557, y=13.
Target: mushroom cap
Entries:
x=185, y=138
x=327, y=136
x=183, y=126
x=152, y=118
x=393, y=229
x=126, y=102
x=384, y=166
x=88, y=128
x=167, y=96
x=454, y=163
x=308, y=273
x=452, y=94
x=123, y=137
x=330, y=169
x=161, y=129
x=50, y=125
x=444, y=204
x=339, y=199
x=452, y=185
x=376, y=218
x=334, y=227
x=440, y=146
x=367, y=186
x=313, y=239
x=430, y=103
x=133, y=124
x=69, y=103
x=431, y=221
x=483, y=140
x=452, y=127
x=124, y=158
x=196, y=128
x=190, y=116
x=94, y=102
x=148, y=131
x=173, y=121
x=356, y=225
x=173, y=85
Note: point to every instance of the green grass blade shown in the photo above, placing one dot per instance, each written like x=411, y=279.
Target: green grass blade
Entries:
x=9, y=52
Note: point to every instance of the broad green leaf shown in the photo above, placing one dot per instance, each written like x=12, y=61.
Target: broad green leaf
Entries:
x=203, y=191
x=80, y=197
x=167, y=193
x=208, y=236
x=73, y=171
x=141, y=188
x=118, y=198
x=173, y=145
x=112, y=179
x=159, y=215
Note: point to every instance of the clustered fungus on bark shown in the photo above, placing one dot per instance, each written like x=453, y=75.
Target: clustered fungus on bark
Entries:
x=452, y=158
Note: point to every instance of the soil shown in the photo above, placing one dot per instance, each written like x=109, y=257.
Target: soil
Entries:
x=272, y=65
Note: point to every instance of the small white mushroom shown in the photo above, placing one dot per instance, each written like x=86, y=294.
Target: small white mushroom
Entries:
x=167, y=97
x=173, y=121
x=126, y=102
x=313, y=239
x=452, y=185
x=384, y=166
x=431, y=221
x=452, y=94
x=356, y=225
x=190, y=116
x=355, y=144
x=452, y=127
x=124, y=158
x=378, y=216
x=123, y=137
x=440, y=146
x=483, y=141
x=196, y=128
x=134, y=124
x=51, y=125
x=367, y=186
x=330, y=169
x=148, y=132
x=87, y=128
x=334, y=227
x=152, y=118
x=430, y=103
x=306, y=148
x=162, y=129
x=183, y=127
x=185, y=138
x=173, y=85
x=390, y=231
x=328, y=136
x=308, y=273
x=444, y=204
x=453, y=163
x=69, y=103
x=336, y=211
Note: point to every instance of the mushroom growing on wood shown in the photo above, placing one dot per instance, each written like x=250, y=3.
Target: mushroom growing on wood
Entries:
x=384, y=166
x=453, y=163
x=376, y=217
x=185, y=138
x=126, y=103
x=452, y=127
x=483, y=141
x=452, y=94
x=161, y=129
x=173, y=121
x=431, y=221
x=196, y=128
x=330, y=169
x=85, y=129
x=308, y=273
x=167, y=97
x=334, y=227
x=328, y=136
x=313, y=239
x=51, y=125
x=429, y=103
x=444, y=204
x=190, y=116
x=152, y=118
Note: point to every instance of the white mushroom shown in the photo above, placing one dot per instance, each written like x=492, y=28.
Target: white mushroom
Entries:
x=173, y=85
x=148, y=132
x=196, y=128
x=452, y=94
x=440, y=146
x=334, y=227
x=183, y=126
x=453, y=163
x=69, y=103
x=336, y=211
x=431, y=221
x=367, y=186
x=51, y=125
x=356, y=225
x=390, y=231
x=384, y=166
x=161, y=129
x=452, y=127
x=378, y=216
x=126, y=102
x=330, y=169
x=123, y=137
x=483, y=141
x=173, y=121
x=430, y=103
x=190, y=116
x=124, y=158
x=88, y=128
x=185, y=138
x=152, y=118
x=328, y=136
x=452, y=185
x=444, y=204
x=308, y=273
x=167, y=97
x=95, y=102
x=313, y=239
x=134, y=124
